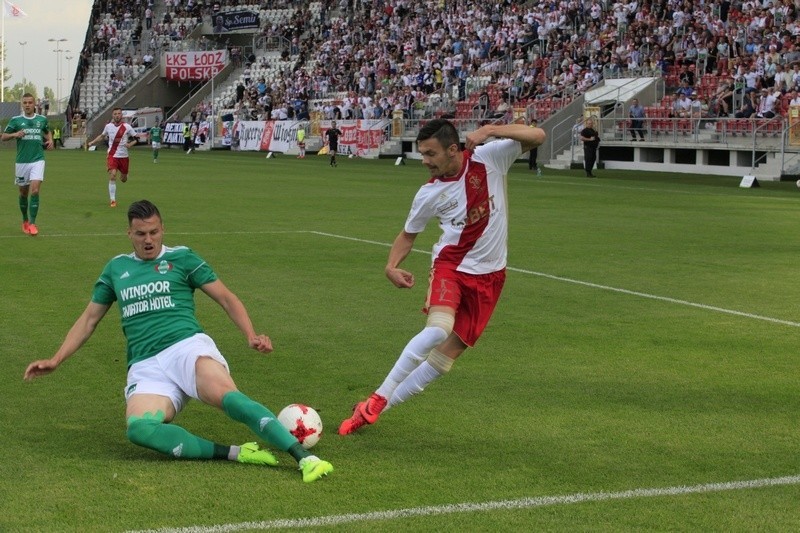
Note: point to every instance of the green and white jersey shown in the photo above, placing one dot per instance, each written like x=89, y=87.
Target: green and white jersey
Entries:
x=29, y=148
x=156, y=298
x=155, y=134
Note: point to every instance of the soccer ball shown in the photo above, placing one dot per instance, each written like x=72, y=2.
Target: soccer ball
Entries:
x=303, y=422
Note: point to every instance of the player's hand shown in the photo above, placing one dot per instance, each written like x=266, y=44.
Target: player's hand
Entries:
x=20, y=134
x=400, y=278
x=476, y=137
x=50, y=145
x=39, y=368
x=262, y=343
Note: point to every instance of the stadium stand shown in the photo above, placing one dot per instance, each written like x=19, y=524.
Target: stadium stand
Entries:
x=466, y=60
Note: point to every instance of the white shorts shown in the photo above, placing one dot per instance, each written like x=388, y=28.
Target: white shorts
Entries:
x=171, y=372
x=155, y=145
x=27, y=172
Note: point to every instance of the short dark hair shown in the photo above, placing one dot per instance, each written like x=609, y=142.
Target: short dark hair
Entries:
x=440, y=129
x=28, y=95
x=141, y=210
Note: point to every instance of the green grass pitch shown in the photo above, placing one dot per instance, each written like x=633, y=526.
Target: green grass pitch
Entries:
x=647, y=338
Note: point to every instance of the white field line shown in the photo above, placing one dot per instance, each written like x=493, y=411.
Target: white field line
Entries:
x=521, y=503
x=602, y=287
x=608, y=185
x=416, y=250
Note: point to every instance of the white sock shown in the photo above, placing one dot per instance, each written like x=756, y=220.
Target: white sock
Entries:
x=112, y=190
x=413, y=354
x=414, y=383
x=233, y=454
x=302, y=462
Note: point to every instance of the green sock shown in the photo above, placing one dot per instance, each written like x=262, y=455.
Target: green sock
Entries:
x=262, y=421
x=23, y=206
x=34, y=207
x=155, y=154
x=151, y=432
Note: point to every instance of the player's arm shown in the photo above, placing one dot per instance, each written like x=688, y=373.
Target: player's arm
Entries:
x=132, y=139
x=8, y=135
x=97, y=139
x=232, y=305
x=78, y=334
x=48, y=140
x=401, y=247
x=528, y=137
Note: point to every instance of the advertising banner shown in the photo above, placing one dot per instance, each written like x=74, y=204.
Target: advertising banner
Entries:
x=224, y=22
x=358, y=136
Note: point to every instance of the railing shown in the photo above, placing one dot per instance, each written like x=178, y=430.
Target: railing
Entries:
x=464, y=126
x=759, y=136
x=563, y=135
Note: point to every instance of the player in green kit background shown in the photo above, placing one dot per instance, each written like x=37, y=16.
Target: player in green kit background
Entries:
x=170, y=359
x=155, y=141
x=32, y=133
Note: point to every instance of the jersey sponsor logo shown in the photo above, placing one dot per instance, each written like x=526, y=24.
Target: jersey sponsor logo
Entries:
x=163, y=267
x=145, y=289
x=476, y=213
x=449, y=206
x=153, y=296
x=32, y=134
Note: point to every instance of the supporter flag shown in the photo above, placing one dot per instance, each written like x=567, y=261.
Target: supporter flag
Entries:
x=13, y=10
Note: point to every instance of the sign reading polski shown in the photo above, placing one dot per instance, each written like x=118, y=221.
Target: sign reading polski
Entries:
x=193, y=66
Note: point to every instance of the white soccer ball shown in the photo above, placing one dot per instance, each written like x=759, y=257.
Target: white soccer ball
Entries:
x=798, y=184
x=303, y=422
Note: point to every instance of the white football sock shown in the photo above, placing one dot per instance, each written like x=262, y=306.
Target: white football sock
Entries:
x=414, y=383
x=413, y=354
x=112, y=190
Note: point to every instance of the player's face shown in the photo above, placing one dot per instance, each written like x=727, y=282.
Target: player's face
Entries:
x=28, y=105
x=116, y=116
x=439, y=160
x=146, y=235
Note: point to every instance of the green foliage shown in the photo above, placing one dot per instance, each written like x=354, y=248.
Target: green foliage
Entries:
x=611, y=363
x=14, y=94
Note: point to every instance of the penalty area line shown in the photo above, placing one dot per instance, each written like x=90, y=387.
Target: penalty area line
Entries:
x=599, y=286
x=521, y=503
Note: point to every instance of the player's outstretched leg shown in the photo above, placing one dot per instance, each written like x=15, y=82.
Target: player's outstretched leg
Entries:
x=264, y=423
x=366, y=412
x=150, y=431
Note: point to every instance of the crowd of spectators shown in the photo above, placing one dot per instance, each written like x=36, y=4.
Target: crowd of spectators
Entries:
x=368, y=59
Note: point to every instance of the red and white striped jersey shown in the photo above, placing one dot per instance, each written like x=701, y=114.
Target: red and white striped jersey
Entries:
x=472, y=209
x=118, y=135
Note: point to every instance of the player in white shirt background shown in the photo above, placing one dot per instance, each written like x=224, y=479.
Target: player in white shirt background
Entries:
x=120, y=136
x=467, y=194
